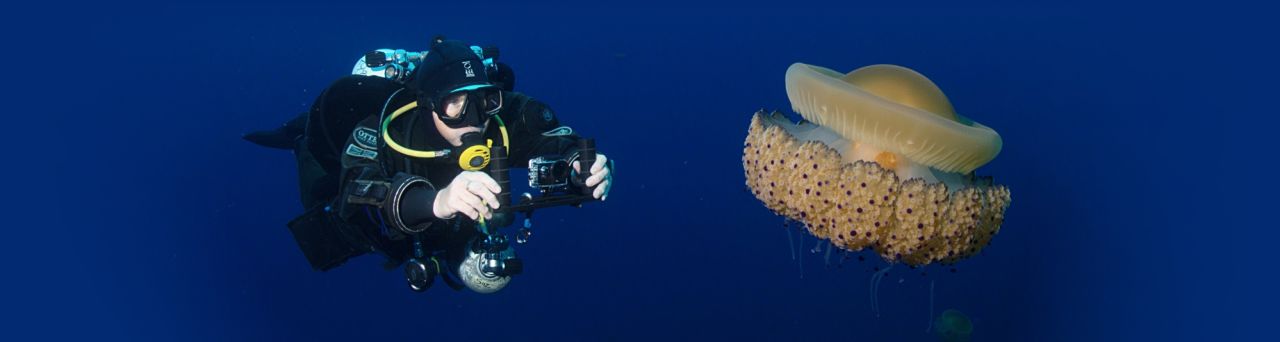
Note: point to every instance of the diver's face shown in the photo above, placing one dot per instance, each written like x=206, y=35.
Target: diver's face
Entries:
x=453, y=106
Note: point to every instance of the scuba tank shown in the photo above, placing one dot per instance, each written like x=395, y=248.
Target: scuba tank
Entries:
x=397, y=65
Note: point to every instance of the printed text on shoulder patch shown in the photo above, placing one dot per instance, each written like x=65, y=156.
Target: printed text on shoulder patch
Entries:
x=365, y=137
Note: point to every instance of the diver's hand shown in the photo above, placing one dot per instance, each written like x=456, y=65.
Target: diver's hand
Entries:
x=471, y=193
x=600, y=175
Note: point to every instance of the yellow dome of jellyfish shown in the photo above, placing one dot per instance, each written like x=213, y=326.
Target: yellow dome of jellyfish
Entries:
x=882, y=161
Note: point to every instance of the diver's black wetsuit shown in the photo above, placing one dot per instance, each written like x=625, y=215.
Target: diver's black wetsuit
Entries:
x=380, y=192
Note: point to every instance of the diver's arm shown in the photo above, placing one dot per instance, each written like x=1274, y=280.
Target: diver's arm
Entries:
x=415, y=208
x=401, y=203
x=384, y=205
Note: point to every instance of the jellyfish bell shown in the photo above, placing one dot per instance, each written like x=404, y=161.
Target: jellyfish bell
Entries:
x=891, y=109
x=881, y=161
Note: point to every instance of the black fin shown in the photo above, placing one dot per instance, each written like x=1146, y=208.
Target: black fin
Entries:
x=284, y=137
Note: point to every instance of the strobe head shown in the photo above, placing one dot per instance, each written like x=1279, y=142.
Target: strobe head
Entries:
x=420, y=274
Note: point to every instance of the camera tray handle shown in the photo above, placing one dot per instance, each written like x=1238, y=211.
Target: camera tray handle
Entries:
x=500, y=170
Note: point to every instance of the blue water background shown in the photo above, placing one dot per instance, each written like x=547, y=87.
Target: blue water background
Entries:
x=1133, y=144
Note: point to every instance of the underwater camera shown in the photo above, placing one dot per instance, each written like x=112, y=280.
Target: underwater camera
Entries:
x=491, y=261
x=549, y=174
x=554, y=174
x=553, y=177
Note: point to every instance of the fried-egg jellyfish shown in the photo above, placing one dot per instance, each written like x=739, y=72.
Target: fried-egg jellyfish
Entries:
x=881, y=161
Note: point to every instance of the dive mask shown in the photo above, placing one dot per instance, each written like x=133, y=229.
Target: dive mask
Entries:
x=468, y=106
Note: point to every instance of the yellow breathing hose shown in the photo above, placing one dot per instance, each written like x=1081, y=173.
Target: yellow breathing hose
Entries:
x=386, y=136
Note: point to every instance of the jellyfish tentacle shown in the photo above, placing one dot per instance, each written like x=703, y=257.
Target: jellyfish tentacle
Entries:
x=930, y=327
x=791, y=243
x=875, y=288
x=871, y=291
x=826, y=259
x=801, y=245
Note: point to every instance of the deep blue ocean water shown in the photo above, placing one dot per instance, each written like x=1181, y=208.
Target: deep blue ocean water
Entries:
x=1135, y=146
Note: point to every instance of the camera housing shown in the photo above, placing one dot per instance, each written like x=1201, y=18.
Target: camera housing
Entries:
x=549, y=174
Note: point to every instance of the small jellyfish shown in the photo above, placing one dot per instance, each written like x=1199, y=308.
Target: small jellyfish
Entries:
x=953, y=326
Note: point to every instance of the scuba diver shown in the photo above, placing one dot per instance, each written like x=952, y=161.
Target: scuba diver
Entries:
x=409, y=157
